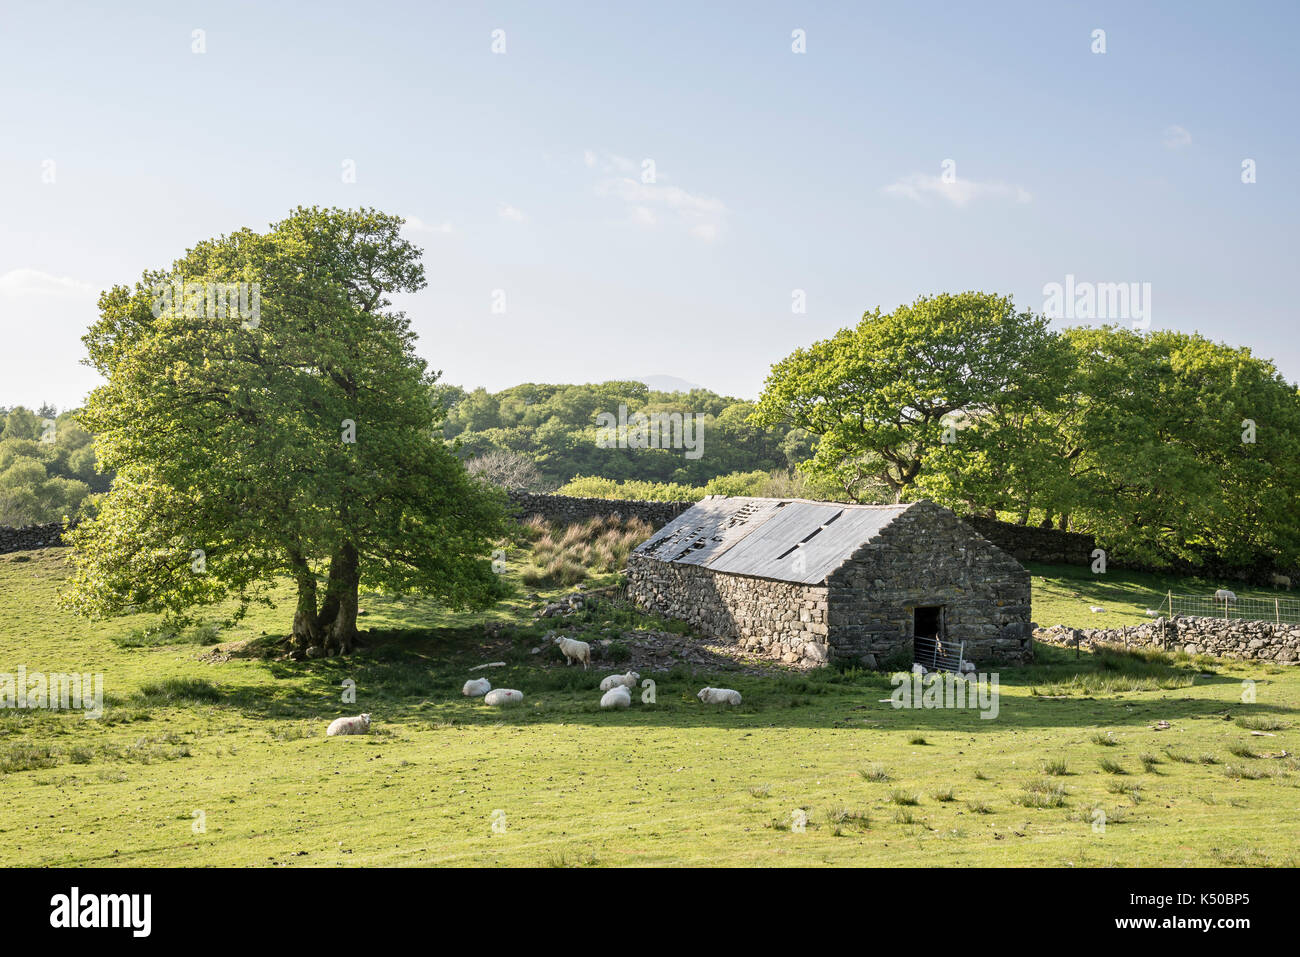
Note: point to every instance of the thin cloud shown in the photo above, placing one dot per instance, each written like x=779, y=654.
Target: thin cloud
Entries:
x=657, y=204
x=508, y=212
x=416, y=225
x=1175, y=137
x=34, y=282
x=921, y=188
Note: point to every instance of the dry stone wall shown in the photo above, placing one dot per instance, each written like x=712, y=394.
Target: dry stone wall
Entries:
x=1027, y=543
x=30, y=536
x=569, y=509
x=1222, y=638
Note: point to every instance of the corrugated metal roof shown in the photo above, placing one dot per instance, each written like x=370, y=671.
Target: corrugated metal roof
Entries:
x=783, y=539
x=709, y=528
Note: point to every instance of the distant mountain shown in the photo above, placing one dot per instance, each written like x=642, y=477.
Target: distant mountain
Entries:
x=667, y=383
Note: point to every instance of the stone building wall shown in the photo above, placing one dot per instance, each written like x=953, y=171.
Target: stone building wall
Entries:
x=924, y=557
x=927, y=556
x=569, y=509
x=782, y=621
x=1223, y=638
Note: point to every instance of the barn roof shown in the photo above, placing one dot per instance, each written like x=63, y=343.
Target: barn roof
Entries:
x=784, y=539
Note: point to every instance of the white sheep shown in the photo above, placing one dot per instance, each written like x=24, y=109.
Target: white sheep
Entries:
x=574, y=651
x=616, y=697
x=1096, y=609
x=628, y=680
x=1151, y=613
x=1224, y=595
x=476, y=688
x=919, y=669
x=1281, y=581
x=968, y=667
x=719, y=696
x=503, y=696
x=358, y=725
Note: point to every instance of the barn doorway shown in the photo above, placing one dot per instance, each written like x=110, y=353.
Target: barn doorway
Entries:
x=928, y=645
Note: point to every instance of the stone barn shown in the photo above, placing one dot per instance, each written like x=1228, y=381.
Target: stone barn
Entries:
x=805, y=582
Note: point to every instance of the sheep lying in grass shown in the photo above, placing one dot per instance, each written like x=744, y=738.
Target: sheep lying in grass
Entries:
x=628, y=680
x=1281, y=581
x=616, y=697
x=719, y=696
x=1151, y=613
x=1096, y=609
x=968, y=667
x=358, y=725
x=574, y=651
x=476, y=688
x=503, y=696
x=1224, y=595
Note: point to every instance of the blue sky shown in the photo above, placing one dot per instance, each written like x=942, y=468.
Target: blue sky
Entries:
x=775, y=171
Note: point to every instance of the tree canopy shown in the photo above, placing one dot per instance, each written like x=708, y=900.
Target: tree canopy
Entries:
x=293, y=438
x=1165, y=445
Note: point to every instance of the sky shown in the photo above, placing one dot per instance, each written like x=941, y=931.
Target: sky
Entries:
x=611, y=191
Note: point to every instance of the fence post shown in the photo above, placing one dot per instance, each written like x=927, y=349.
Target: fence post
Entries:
x=1277, y=610
x=1171, y=603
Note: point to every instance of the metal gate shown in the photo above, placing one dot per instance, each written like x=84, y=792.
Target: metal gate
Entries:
x=938, y=654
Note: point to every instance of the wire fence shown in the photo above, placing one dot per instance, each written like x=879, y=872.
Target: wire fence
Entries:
x=1276, y=610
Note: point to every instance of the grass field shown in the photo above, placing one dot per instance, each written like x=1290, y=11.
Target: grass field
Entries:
x=234, y=742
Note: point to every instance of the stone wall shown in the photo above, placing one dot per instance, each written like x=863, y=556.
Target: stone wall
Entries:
x=927, y=556
x=30, y=536
x=1223, y=638
x=1029, y=543
x=569, y=509
x=782, y=621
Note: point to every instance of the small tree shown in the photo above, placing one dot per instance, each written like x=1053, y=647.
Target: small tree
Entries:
x=509, y=470
x=299, y=441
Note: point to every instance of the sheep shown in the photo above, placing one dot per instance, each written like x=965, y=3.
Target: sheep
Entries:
x=1281, y=581
x=503, y=696
x=616, y=697
x=968, y=667
x=358, y=725
x=919, y=669
x=719, y=696
x=1096, y=609
x=1224, y=595
x=476, y=688
x=628, y=680
x=1151, y=613
x=574, y=651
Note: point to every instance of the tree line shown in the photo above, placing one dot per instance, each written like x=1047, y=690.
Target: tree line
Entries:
x=1166, y=446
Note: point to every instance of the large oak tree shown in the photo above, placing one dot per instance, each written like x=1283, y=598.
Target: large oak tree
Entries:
x=294, y=439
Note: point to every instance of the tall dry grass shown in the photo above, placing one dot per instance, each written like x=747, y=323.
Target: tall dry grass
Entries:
x=571, y=554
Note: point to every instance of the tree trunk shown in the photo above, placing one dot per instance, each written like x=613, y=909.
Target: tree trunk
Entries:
x=339, y=613
x=306, y=622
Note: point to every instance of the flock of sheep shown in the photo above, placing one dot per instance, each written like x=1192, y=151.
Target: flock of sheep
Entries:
x=616, y=690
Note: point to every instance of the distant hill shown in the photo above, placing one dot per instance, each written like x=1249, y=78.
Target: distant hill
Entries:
x=667, y=383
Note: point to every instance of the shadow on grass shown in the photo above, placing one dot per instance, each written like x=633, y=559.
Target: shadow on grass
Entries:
x=414, y=677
